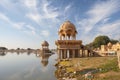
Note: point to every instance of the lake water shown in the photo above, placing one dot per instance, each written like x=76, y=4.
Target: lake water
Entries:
x=24, y=66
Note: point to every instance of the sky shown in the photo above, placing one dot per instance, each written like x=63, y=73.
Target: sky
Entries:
x=27, y=23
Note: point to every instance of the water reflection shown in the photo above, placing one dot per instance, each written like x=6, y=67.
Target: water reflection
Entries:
x=2, y=53
x=44, y=58
x=27, y=66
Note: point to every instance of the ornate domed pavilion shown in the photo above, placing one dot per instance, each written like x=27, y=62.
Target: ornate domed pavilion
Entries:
x=67, y=45
x=67, y=31
x=45, y=47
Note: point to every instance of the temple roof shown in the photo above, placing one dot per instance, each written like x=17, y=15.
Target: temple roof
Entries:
x=45, y=43
x=67, y=25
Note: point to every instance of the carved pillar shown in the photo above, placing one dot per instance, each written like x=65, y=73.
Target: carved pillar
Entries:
x=65, y=54
x=78, y=53
x=60, y=37
x=73, y=53
x=70, y=52
x=83, y=53
x=58, y=53
x=62, y=54
x=65, y=36
x=86, y=53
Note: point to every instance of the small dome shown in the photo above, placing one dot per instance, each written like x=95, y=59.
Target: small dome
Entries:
x=45, y=43
x=109, y=44
x=67, y=25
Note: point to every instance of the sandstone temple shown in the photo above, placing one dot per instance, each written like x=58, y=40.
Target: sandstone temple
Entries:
x=67, y=45
x=45, y=47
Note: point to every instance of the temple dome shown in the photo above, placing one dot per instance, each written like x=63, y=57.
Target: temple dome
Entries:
x=67, y=25
x=67, y=29
x=45, y=43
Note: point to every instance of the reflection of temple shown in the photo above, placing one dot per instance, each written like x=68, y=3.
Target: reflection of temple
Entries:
x=67, y=45
x=3, y=53
x=44, y=59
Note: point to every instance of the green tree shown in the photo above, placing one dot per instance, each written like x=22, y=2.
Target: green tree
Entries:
x=100, y=40
x=113, y=41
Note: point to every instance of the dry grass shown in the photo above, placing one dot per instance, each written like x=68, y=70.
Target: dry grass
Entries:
x=111, y=75
x=78, y=64
x=91, y=62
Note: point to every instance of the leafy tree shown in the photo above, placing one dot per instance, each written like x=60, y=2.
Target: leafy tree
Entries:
x=113, y=41
x=3, y=48
x=100, y=40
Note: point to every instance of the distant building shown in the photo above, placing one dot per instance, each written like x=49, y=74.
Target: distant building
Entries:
x=45, y=47
x=109, y=49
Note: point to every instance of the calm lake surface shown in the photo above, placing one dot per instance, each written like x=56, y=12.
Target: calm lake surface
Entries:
x=24, y=66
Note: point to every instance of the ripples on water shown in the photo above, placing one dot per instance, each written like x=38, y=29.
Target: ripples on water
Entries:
x=25, y=66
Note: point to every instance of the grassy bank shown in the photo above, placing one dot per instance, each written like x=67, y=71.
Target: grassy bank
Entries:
x=105, y=66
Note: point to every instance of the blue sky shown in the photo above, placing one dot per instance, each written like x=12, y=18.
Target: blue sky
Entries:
x=26, y=23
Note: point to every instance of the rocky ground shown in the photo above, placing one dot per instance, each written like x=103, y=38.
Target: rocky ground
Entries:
x=101, y=68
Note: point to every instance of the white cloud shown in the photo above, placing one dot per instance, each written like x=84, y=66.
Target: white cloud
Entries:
x=4, y=17
x=42, y=13
x=17, y=25
x=32, y=10
x=105, y=20
x=30, y=3
x=99, y=12
x=67, y=8
x=97, y=21
x=35, y=17
x=110, y=27
x=45, y=33
x=10, y=6
x=32, y=29
x=49, y=11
